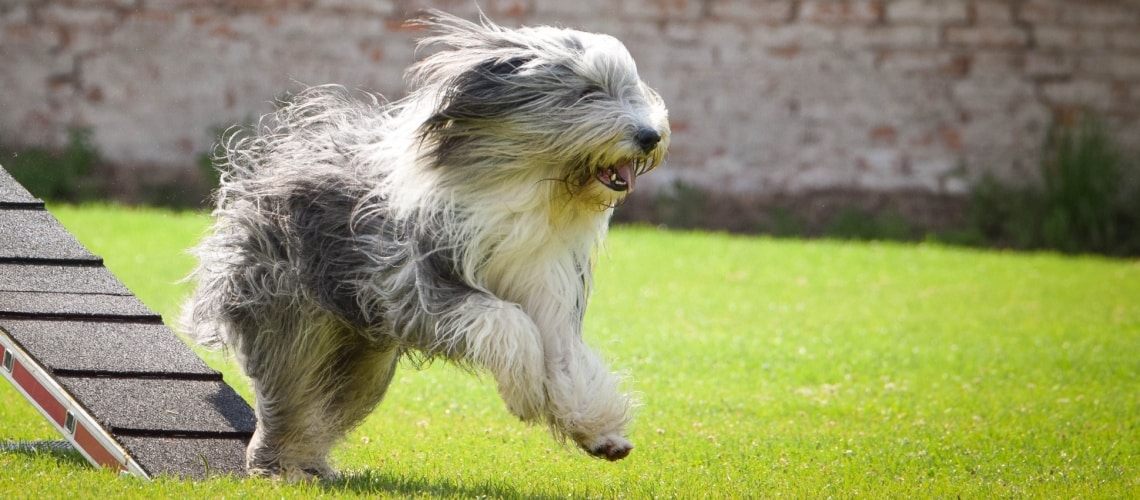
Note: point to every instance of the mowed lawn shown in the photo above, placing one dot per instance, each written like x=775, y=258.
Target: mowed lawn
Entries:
x=765, y=368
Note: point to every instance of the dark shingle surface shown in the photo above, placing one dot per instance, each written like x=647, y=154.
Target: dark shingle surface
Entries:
x=35, y=234
x=163, y=406
x=190, y=458
x=75, y=305
x=59, y=279
x=107, y=347
x=110, y=353
x=12, y=192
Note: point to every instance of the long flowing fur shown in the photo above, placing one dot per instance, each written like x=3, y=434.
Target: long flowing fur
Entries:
x=460, y=223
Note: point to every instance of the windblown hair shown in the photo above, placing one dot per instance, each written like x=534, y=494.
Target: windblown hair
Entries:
x=460, y=222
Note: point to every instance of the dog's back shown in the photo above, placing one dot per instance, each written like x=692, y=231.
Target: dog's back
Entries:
x=293, y=218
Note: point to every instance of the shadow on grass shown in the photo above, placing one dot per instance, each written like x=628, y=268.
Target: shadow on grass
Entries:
x=373, y=482
x=60, y=451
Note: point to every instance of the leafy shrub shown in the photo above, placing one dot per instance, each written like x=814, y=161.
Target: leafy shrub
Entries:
x=681, y=206
x=855, y=224
x=1088, y=201
x=57, y=175
x=1081, y=172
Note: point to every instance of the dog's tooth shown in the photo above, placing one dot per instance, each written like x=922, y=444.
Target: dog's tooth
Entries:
x=615, y=178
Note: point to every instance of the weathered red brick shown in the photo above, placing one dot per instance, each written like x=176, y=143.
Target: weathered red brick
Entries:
x=1114, y=66
x=577, y=9
x=1069, y=38
x=662, y=9
x=786, y=51
x=924, y=62
x=87, y=17
x=151, y=16
x=889, y=37
x=1125, y=38
x=987, y=36
x=1117, y=14
x=951, y=138
x=998, y=61
x=366, y=7
x=1048, y=64
x=1079, y=92
x=841, y=12
x=993, y=12
x=800, y=35
x=883, y=135
x=755, y=11
x=510, y=8
x=1037, y=11
x=255, y=5
x=462, y=8
x=992, y=92
x=927, y=11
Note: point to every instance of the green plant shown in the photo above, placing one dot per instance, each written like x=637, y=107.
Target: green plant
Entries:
x=1088, y=200
x=1082, y=172
x=782, y=223
x=208, y=171
x=683, y=205
x=855, y=224
x=1004, y=215
x=58, y=175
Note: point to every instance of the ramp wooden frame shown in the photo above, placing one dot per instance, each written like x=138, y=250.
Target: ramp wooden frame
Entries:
x=101, y=366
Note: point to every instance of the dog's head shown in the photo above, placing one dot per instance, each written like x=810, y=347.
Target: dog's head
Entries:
x=565, y=105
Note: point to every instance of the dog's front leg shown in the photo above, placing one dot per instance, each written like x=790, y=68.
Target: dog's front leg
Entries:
x=550, y=375
x=585, y=401
x=500, y=337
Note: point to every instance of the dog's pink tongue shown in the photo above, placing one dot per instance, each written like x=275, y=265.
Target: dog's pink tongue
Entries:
x=627, y=172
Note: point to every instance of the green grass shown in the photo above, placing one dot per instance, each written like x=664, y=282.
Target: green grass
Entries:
x=765, y=367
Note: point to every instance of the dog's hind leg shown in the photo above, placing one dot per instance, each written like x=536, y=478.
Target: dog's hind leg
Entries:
x=313, y=386
x=362, y=375
x=287, y=360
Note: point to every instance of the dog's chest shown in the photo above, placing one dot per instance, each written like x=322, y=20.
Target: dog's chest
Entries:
x=532, y=261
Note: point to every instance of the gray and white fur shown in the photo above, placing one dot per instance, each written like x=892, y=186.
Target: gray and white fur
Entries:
x=460, y=222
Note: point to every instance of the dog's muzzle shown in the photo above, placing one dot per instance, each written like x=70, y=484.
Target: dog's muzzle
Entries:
x=623, y=176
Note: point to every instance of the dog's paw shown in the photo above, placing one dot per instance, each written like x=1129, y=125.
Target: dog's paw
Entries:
x=612, y=447
x=294, y=474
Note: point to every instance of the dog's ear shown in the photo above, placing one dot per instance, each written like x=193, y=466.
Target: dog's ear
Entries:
x=487, y=91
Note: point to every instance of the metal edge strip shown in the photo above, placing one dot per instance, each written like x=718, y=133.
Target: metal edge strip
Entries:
x=64, y=413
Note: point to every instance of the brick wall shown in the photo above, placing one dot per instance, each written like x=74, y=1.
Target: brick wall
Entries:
x=766, y=96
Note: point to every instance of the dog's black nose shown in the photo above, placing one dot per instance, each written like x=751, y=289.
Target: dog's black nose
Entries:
x=647, y=139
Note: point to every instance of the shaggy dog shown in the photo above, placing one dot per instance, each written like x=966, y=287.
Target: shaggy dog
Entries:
x=460, y=222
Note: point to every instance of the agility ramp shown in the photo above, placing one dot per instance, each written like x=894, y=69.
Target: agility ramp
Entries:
x=100, y=365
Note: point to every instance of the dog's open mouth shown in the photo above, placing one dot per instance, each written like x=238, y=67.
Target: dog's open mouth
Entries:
x=619, y=177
